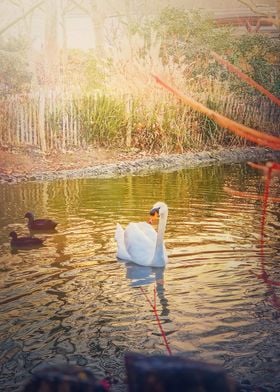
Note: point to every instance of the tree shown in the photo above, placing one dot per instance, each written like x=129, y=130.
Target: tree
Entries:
x=21, y=17
x=51, y=51
x=15, y=76
x=259, y=11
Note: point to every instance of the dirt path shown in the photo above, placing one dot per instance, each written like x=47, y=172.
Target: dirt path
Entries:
x=29, y=165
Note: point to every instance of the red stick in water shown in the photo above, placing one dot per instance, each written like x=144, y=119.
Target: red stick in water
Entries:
x=154, y=308
x=275, y=301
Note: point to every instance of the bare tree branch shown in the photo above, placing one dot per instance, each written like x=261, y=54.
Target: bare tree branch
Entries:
x=253, y=7
x=266, y=15
x=79, y=5
x=15, y=21
x=15, y=2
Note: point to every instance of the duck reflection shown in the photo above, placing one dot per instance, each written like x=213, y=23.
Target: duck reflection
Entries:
x=45, y=232
x=143, y=276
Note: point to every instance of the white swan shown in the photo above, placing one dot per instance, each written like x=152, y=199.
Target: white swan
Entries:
x=140, y=243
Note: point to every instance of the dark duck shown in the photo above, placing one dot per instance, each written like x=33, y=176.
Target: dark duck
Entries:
x=24, y=242
x=39, y=224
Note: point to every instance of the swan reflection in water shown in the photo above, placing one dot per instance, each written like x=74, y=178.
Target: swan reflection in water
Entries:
x=144, y=276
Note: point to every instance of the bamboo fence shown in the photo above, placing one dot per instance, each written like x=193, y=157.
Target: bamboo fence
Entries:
x=51, y=120
x=47, y=120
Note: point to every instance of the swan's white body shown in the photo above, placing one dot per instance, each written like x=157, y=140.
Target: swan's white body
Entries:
x=141, y=244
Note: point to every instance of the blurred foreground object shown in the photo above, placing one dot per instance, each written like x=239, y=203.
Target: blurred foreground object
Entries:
x=160, y=373
x=155, y=373
x=65, y=378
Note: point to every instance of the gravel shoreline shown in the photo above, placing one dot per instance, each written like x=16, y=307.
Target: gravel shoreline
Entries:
x=152, y=164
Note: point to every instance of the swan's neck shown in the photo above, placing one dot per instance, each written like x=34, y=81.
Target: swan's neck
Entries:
x=161, y=229
x=160, y=251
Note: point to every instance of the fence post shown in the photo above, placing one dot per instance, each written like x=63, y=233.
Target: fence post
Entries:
x=42, y=131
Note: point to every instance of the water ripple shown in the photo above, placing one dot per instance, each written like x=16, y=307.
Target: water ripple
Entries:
x=73, y=301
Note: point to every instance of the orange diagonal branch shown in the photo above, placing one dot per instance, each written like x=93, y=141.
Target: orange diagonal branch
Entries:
x=251, y=134
x=246, y=78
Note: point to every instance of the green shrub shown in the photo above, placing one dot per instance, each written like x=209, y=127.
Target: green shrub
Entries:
x=103, y=119
x=15, y=76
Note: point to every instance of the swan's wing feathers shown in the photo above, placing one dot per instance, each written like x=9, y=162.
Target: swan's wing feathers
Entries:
x=138, y=244
x=119, y=237
x=148, y=230
x=119, y=232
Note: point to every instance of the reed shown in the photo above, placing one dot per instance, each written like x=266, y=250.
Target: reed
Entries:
x=102, y=119
x=154, y=122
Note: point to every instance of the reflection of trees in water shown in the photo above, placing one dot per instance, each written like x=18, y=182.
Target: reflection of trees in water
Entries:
x=62, y=316
x=19, y=198
x=112, y=196
x=65, y=195
x=44, y=199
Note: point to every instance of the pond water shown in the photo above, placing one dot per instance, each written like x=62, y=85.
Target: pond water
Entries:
x=73, y=301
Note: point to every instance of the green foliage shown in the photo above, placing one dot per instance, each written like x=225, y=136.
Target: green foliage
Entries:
x=172, y=127
x=15, y=76
x=193, y=35
x=103, y=119
x=260, y=56
x=190, y=32
x=181, y=23
x=84, y=69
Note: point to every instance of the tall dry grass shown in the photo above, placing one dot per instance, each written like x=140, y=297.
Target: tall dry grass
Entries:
x=157, y=121
x=131, y=110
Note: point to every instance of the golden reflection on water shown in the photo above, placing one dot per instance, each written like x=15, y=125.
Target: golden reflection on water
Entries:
x=72, y=300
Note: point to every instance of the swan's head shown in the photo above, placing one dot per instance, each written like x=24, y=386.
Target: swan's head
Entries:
x=159, y=209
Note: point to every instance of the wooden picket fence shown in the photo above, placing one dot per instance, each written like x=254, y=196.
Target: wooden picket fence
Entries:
x=47, y=120
x=53, y=120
